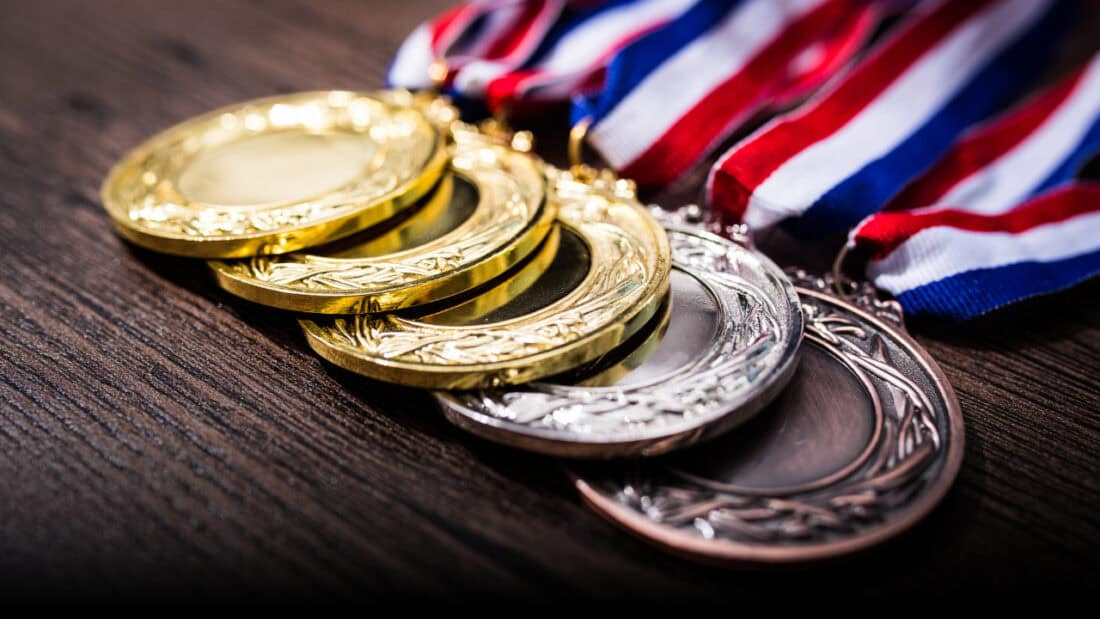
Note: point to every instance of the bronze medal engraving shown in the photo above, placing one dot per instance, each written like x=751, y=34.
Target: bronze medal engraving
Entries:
x=863, y=443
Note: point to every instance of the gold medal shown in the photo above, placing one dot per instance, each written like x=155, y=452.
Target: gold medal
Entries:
x=487, y=214
x=609, y=278
x=275, y=175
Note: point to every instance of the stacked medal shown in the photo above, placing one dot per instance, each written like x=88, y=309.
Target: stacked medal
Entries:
x=431, y=253
x=549, y=311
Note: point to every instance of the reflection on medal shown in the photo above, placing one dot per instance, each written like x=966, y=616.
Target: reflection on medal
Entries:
x=731, y=346
x=610, y=280
x=275, y=175
x=864, y=442
x=485, y=216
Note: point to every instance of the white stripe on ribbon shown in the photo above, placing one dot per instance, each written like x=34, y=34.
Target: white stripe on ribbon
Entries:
x=414, y=57
x=679, y=83
x=1009, y=180
x=904, y=106
x=940, y=252
x=587, y=46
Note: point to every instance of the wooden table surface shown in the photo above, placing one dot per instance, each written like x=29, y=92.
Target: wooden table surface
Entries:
x=159, y=437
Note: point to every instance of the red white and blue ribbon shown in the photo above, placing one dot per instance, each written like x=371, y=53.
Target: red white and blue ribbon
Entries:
x=508, y=52
x=675, y=93
x=575, y=53
x=825, y=166
x=500, y=33
x=1001, y=216
x=959, y=215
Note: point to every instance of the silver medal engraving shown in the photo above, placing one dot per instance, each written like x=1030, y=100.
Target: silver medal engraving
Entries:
x=731, y=346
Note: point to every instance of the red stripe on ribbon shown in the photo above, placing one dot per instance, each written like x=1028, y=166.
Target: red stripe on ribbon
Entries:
x=833, y=52
x=514, y=38
x=740, y=173
x=448, y=26
x=499, y=92
x=884, y=232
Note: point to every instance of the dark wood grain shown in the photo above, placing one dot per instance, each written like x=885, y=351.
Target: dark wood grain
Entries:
x=159, y=437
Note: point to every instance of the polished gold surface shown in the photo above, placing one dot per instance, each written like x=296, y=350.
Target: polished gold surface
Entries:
x=569, y=263
x=275, y=175
x=622, y=289
x=503, y=291
x=488, y=214
x=621, y=363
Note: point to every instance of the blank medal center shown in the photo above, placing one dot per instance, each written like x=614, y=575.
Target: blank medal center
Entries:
x=277, y=168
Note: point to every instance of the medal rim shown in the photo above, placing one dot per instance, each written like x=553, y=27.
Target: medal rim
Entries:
x=554, y=360
x=747, y=405
x=443, y=282
x=727, y=551
x=288, y=238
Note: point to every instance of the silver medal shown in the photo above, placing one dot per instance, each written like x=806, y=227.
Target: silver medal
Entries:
x=730, y=347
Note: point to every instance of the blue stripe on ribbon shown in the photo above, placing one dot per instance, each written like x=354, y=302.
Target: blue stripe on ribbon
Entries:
x=388, y=80
x=635, y=62
x=998, y=84
x=973, y=293
x=1086, y=148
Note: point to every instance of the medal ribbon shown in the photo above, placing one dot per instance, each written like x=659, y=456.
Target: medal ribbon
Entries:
x=500, y=33
x=828, y=164
x=663, y=81
x=1001, y=216
x=512, y=53
x=673, y=94
x=576, y=52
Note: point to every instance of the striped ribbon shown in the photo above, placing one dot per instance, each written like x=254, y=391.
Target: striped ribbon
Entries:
x=502, y=34
x=672, y=95
x=824, y=167
x=1001, y=216
x=960, y=217
x=512, y=52
x=575, y=54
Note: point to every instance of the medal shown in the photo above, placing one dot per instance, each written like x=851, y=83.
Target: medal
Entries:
x=492, y=211
x=731, y=345
x=864, y=441
x=620, y=259
x=275, y=175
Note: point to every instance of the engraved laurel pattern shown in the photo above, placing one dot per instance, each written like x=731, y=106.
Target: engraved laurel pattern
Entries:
x=894, y=470
x=744, y=349
x=862, y=294
x=350, y=275
x=511, y=191
x=158, y=207
x=623, y=272
x=613, y=286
